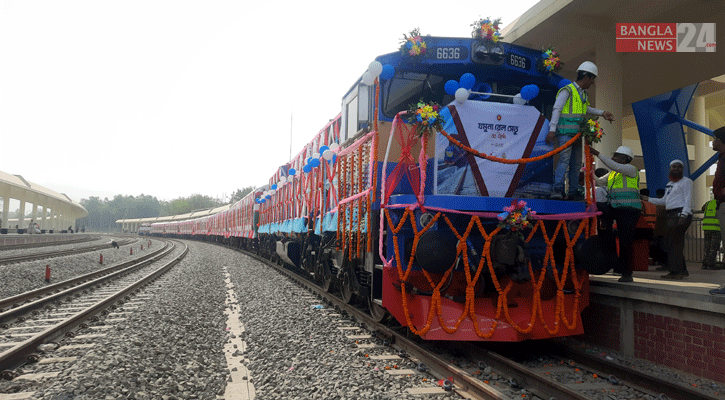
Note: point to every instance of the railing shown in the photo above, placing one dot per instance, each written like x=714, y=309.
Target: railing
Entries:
x=695, y=241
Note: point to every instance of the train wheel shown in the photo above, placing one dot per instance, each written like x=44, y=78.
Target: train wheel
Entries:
x=378, y=313
x=347, y=288
x=326, y=282
x=323, y=275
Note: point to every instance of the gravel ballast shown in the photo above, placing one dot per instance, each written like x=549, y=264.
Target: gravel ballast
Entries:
x=22, y=277
x=173, y=345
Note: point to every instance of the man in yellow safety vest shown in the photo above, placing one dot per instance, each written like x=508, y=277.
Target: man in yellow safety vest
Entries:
x=570, y=108
x=624, y=205
x=711, y=229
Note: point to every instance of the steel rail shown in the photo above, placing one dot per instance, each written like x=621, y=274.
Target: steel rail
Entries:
x=17, y=354
x=58, y=253
x=464, y=383
x=15, y=301
x=533, y=381
x=635, y=378
x=14, y=312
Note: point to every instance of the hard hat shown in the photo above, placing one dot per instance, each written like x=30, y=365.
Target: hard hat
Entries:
x=625, y=150
x=588, y=66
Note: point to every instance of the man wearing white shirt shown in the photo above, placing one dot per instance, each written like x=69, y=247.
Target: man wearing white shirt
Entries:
x=678, y=203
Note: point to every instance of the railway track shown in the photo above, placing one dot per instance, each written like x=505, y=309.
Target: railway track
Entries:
x=61, y=309
x=59, y=253
x=473, y=371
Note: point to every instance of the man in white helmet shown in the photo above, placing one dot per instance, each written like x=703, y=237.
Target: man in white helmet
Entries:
x=570, y=108
x=625, y=205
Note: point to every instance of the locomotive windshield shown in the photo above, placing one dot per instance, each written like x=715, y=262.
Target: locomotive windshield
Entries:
x=407, y=88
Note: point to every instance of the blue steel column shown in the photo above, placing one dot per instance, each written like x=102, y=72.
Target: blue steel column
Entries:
x=660, y=131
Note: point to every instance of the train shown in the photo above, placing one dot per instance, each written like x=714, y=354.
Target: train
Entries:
x=427, y=198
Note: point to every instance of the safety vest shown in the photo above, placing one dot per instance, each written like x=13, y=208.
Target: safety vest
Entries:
x=710, y=221
x=573, y=112
x=623, y=191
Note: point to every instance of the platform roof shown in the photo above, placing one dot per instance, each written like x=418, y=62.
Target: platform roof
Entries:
x=17, y=187
x=580, y=29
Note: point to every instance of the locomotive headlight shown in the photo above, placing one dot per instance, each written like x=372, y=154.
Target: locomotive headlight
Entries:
x=481, y=50
x=436, y=251
x=498, y=50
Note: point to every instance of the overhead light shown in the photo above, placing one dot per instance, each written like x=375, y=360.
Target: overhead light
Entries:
x=481, y=50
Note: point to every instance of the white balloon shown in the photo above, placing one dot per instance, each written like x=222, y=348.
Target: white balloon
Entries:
x=368, y=79
x=316, y=155
x=334, y=147
x=518, y=99
x=282, y=179
x=272, y=192
x=375, y=68
x=327, y=154
x=461, y=95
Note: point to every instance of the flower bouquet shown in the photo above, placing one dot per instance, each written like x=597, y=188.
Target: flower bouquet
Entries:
x=413, y=45
x=487, y=29
x=591, y=130
x=426, y=117
x=516, y=216
x=550, y=62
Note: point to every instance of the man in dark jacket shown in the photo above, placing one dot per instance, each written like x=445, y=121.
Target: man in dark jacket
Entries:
x=718, y=186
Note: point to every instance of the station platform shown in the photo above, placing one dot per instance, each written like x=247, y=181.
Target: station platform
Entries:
x=674, y=323
x=10, y=240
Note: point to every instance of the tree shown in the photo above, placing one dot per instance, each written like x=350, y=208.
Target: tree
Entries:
x=240, y=193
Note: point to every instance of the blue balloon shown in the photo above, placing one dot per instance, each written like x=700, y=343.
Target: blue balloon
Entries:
x=308, y=160
x=315, y=162
x=563, y=83
x=292, y=171
x=388, y=71
x=528, y=92
x=274, y=186
x=334, y=158
x=323, y=148
x=485, y=88
x=451, y=86
x=467, y=80
x=306, y=169
x=269, y=196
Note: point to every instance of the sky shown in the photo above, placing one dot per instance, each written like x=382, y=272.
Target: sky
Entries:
x=171, y=98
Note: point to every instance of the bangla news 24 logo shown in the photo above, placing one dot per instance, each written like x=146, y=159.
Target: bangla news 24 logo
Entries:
x=666, y=37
